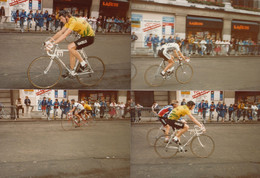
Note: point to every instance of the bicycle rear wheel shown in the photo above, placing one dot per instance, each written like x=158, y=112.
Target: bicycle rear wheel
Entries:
x=133, y=71
x=153, y=77
x=202, y=146
x=44, y=72
x=91, y=79
x=165, y=150
x=184, y=73
x=152, y=135
x=67, y=123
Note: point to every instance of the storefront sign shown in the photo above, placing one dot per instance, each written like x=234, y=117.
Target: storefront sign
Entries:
x=185, y=92
x=241, y=27
x=204, y=22
x=15, y=2
x=196, y=23
x=3, y=0
x=110, y=4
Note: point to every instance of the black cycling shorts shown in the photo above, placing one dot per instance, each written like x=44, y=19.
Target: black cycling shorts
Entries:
x=81, y=112
x=175, y=124
x=84, y=42
x=163, y=120
x=160, y=54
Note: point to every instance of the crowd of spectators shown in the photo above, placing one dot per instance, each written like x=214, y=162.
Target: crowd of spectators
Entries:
x=206, y=46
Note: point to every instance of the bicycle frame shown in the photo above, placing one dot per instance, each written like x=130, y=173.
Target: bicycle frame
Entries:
x=59, y=52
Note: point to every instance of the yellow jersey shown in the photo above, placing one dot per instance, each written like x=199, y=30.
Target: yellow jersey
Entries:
x=179, y=112
x=81, y=26
x=87, y=107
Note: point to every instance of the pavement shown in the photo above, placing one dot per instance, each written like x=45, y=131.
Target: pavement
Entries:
x=44, y=149
x=236, y=154
x=18, y=50
x=214, y=73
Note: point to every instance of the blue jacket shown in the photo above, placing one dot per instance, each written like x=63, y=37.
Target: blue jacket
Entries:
x=200, y=105
x=212, y=107
x=147, y=39
x=155, y=40
x=170, y=40
x=205, y=106
x=23, y=15
x=56, y=104
x=163, y=41
x=103, y=104
x=230, y=108
x=30, y=16
x=45, y=15
x=36, y=16
x=49, y=103
x=44, y=102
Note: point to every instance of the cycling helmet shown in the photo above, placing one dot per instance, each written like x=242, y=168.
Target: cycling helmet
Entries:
x=190, y=103
x=63, y=13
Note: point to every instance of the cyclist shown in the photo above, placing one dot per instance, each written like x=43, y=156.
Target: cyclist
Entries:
x=163, y=114
x=179, y=112
x=87, y=108
x=80, y=26
x=165, y=51
x=80, y=108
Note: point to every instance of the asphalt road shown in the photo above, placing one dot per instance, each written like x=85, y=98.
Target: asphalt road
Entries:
x=236, y=154
x=18, y=50
x=222, y=73
x=44, y=149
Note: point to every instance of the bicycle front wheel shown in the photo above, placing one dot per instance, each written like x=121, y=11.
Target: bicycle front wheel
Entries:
x=152, y=135
x=133, y=71
x=98, y=68
x=164, y=149
x=202, y=146
x=184, y=73
x=44, y=72
x=153, y=77
x=67, y=123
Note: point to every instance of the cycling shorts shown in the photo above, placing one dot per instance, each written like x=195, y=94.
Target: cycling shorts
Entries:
x=163, y=120
x=81, y=112
x=84, y=42
x=175, y=124
x=161, y=53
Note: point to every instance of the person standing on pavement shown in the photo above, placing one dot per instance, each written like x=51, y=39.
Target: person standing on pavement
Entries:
x=29, y=20
x=200, y=109
x=149, y=41
x=41, y=21
x=43, y=105
x=225, y=110
x=139, y=111
x=56, y=105
x=122, y=109
x=132, y=110
x=155, y=108
x=205, y=107
x=133, y=39
x=45, y=17
x=67, y=107
x=36, y=19
x=163, y=40
x=112, y=111
x=22, y=19
x=27, y=103
x=2, y=13
x=63, y=108
x=103, y=106
x=183, y=102
x=211, y=110
x=155, y=45
x=230, y=111
x=16, y=17
x=218, y=110
x=48, y=108
x=235, y=110
x=19, y=106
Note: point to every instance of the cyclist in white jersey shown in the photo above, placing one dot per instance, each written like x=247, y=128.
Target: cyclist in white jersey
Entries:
x=165, y=51
x=79, y=107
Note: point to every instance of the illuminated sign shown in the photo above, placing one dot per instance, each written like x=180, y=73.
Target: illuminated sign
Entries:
x=110, y=4
x=196, y=23
x=241, y=27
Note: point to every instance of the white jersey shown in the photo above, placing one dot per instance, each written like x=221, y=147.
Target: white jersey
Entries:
x=169, y=47
x=78, y=106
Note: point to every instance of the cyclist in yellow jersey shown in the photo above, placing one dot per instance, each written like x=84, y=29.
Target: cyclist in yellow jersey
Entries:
x=179, y=112
x=88, y=108
x=80, y=26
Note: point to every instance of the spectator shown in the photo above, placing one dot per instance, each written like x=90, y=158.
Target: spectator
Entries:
x=258, y=112
x=68, y=107
x=235, y=110
x=139, y=111
x=155, y=45
x=99, y=23
x=45, y=17
x=104, y=23
x=230, y=111
x=190, y=41
x=2, y=13
x=132, y=110
x=254, y=110
x=218, y=109
x=163, y=40
x=122, y=109
x=211, y=110
x=37, y=19
x=22, y=19
x=19, y=106
x=170, y=40
x=43, y=105
x=56, y=105
x=149, y=41
x=250, y=113
x=102, y=108
x=205, y=106
x=127, y=108
x=133, y=39
x=63, y=105
x=48, y=108
x=183, y=102
x=113, y=106
x=200, y=108
x=57, y=21
x=225, y=110
x=48, y=23
x=16, y=17
x=155, y=108
x=96, y=108
x=27, y=103
x=41, y=21
x=29, y=20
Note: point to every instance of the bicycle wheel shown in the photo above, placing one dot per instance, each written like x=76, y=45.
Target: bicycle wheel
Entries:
x=153, y=77
x=202, y=146
x=165, y=150
x=133, y=71
x=67, y=123
x=44, y=72
x=184, y=73
x=152, y=135
x=91, y=79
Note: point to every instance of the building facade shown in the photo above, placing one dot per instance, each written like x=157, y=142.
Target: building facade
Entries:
x=219, y=19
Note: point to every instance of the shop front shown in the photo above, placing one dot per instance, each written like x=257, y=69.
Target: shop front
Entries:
x=202, y=27
x=247, y=96
x=112, y=8
x=75, y=7
x=244, y=30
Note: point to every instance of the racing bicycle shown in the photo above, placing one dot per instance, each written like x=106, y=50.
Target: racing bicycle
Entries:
x=182, y=69
x=46, y=71
x=201, y=145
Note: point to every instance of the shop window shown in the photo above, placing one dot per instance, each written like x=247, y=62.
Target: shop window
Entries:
x=144, y=98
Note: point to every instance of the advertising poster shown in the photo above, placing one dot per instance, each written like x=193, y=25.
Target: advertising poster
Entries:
x=150, y=26
x=136, y=23
x=168, y=25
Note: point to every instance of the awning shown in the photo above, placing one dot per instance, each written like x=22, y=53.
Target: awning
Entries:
x=204, y=22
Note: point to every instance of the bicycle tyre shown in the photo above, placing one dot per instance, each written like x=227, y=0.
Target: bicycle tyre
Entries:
x=196, y=147
x=133, y=71
x=98, y=67
x=153, y=77
x=184, y=70
x=36, y=69
x=67, y=123
x=161, y=150
x=152, y=135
